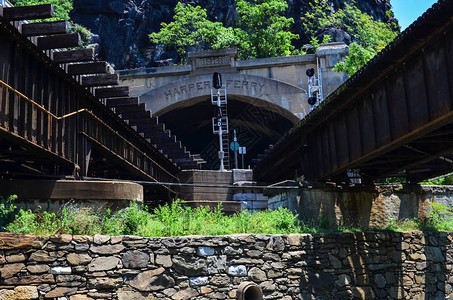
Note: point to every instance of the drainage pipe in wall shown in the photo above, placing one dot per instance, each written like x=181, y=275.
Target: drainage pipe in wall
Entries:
x=249, y=291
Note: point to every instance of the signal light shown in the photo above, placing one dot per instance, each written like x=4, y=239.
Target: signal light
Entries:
x=218, y=112
x=310, y=72
x=312, y=100
x=217, y=80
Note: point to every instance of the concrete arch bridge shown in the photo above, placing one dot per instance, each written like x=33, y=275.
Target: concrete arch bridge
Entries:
x=266, y=97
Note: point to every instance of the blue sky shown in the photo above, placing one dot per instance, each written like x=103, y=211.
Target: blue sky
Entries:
x=407, y=11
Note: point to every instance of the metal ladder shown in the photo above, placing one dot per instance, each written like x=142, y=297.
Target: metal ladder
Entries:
x=221, y=94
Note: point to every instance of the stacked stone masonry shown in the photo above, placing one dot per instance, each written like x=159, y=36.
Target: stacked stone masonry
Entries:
x=411, y=265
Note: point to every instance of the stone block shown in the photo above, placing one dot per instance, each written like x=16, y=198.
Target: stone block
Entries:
x=205, y=251
x=78, y=259
x=237, y=270
x=242, y=175
x=135, y=259
x=103, y=264
x=60, y=292
x=153, y=280
x=60, y=270
x=11, y=269
x=201, y=280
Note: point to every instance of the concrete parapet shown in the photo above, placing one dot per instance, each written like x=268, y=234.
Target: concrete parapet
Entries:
x=51, y=195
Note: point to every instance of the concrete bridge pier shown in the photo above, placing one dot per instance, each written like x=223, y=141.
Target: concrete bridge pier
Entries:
x=361, y=206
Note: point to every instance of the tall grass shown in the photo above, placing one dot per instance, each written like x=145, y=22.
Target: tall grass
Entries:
x=173, y=219
x=176, y=219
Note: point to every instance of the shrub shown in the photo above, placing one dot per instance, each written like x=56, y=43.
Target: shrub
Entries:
x=8, y=211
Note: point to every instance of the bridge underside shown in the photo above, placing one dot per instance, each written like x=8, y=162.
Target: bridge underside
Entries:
x=392, y=118
x=257, y=127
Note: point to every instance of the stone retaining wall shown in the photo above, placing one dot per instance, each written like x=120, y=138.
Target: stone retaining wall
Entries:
x=412, y=265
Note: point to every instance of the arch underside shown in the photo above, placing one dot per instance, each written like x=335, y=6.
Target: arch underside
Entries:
x=258, y=125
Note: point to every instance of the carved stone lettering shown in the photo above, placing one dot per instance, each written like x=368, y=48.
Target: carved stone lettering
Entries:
x=206, y=86
x=209, y=62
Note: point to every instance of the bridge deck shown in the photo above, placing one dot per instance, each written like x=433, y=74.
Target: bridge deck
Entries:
x=395, y=115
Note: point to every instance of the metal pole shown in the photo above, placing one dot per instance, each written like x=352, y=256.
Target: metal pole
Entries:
x=242, y=158
x=235, y=150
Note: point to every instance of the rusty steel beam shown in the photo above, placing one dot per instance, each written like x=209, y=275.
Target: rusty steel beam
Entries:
x=32, y=12
x=100, y=80
x=99, y=67
x=112, y=92
x=45, y=28
x=69, y=56
x=59, y=41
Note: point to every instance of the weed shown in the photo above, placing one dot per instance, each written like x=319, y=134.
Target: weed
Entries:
x=8, y=211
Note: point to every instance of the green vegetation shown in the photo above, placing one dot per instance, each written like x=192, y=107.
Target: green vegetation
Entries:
x=7, y=211
x=168, y=220
x=190, y=27
x=438, y=219
x=262, y=31
x=178, y=220
x=370, y=36
x=443, y=180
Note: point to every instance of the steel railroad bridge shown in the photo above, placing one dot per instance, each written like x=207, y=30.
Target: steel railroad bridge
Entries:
x=392, y=118
x=61, y=114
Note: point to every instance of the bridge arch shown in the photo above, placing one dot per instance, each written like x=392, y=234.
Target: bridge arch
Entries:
x=260, y=109
x=288, y=100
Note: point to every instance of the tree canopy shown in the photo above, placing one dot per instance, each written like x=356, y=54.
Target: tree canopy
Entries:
x=370, y=36
x=190, y=27
x=261, y=31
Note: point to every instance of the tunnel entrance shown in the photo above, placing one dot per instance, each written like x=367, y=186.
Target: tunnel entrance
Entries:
x=257, y=123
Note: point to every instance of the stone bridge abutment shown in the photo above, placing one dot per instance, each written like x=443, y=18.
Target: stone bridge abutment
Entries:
x=266, y=97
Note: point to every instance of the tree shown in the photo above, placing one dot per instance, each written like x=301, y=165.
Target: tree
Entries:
x=190, y=27
x=263, y=31
x=358, y=56
x=370, y=36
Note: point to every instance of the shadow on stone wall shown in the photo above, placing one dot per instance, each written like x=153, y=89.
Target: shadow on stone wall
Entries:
x=360, y=265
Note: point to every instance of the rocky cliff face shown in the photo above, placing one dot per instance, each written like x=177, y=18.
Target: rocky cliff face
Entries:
x=121, y=27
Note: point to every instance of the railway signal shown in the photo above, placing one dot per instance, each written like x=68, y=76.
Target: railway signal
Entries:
x=314, y=85
x=217, y=81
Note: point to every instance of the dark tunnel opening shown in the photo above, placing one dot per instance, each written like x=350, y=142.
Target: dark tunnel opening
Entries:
x=257, y=127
